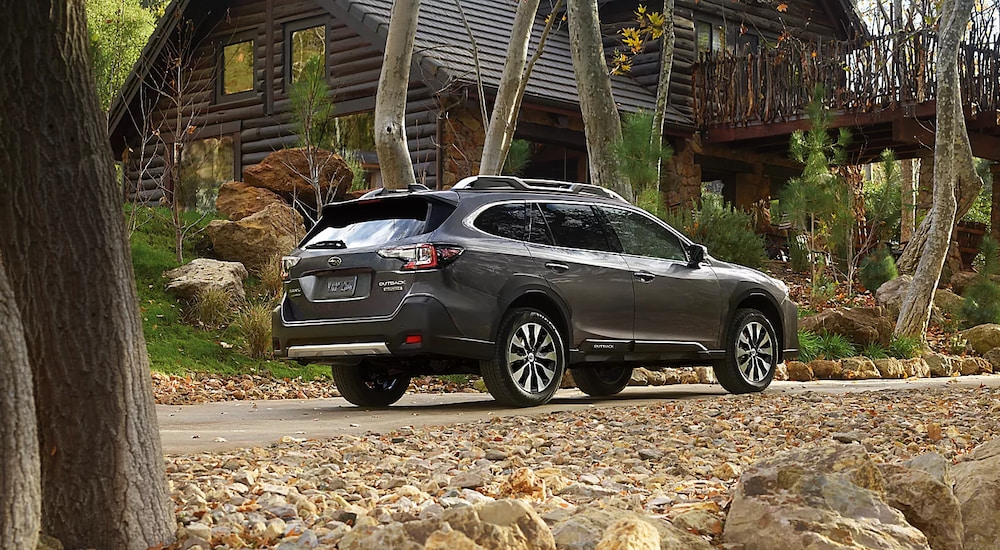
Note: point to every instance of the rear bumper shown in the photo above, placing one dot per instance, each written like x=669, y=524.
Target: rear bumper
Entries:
x=346, y=339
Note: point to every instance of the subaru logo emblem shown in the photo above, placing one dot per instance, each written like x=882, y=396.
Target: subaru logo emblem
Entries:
x=334, y=261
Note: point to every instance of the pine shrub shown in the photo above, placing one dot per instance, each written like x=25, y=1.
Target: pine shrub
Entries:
x=727, y=232
x=981, y=301
x=877, y=268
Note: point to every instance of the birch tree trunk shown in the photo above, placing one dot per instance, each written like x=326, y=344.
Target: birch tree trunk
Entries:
x=501, y=127
x=102, y=472
x=909, y=201
x=666, y=65
x=21, y=505
x=953, y=162
x=601, y=122
x=390, y=97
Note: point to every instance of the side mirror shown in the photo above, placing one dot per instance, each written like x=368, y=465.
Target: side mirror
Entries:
x=696, y=254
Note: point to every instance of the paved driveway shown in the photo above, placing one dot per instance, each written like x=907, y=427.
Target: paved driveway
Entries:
x=234, y=424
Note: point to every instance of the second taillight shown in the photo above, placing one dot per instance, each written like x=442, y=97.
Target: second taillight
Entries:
x=422, y=256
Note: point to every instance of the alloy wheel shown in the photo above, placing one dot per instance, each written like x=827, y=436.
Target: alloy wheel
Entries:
x=754, y=352
x=532, y=357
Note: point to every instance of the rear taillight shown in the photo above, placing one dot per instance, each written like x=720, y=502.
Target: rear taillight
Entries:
x=422, y=256
x=287, y=263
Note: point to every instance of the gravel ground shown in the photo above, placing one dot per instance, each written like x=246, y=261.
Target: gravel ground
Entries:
x=667, y=460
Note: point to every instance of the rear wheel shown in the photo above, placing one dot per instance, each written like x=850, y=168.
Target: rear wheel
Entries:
x=602, y=381
x=751, y=353
x=529, y=360
x=366, y=385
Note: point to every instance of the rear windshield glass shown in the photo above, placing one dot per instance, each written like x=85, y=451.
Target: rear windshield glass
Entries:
x=376, y=222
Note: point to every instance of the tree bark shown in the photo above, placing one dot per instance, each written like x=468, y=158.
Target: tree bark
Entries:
x=601, y=122
x=502, y=124
x=908, y=201
x=666, y=65
x=21, y=505
x=390, y=98
x=953, y=162
x=102, y=471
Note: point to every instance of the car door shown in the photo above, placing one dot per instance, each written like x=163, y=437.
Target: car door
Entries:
x=574, y=255
x=677, y=306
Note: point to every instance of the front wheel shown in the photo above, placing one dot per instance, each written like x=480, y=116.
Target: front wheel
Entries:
x=369, y=386
x=602, y=381
x=751, y=354
x=529, y=360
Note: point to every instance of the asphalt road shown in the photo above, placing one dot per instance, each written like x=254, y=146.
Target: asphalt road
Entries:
x=236, y=424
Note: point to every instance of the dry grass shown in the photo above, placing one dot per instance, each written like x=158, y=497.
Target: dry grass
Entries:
x=213, y=308
x=253, y=321
x=270, y=278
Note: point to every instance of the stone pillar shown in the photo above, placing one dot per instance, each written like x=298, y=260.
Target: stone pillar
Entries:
x=680, y=177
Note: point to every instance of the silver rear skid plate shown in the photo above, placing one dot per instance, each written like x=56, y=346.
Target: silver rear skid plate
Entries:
x=338, y=350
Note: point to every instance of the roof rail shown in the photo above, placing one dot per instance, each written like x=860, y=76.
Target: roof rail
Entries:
x=512, y=183
x=411, y=188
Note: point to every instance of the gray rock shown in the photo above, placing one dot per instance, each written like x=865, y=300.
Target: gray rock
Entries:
x=190, y=280
x=983, y=338
x=799, y=498
x=926, y=501
x=861, y=325
x=585, y=529
x=940, y=365
x=977, y=487
x=858, y=368
x=470, y=480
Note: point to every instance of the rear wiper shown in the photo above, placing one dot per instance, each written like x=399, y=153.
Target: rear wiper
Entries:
x=327, y=244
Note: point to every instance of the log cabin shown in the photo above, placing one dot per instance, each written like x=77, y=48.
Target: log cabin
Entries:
x=220, y=70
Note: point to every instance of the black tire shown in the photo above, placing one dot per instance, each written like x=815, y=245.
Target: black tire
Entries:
x=751, y=353
x=529, y=360
x=602, y=381
x=369, y=386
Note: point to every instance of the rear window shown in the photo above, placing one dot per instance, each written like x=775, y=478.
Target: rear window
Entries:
x=376, y=222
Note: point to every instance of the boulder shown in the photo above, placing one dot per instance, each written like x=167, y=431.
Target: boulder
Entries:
x=940, y=365
x=890, y=294
x=640, y=377
x=238, y=200
x=256, y=239
x=800, y=372
x=977, y=487
x=982, y=338
x=890, y=367
x=630, y=534
x=706, y=375
x=970, y=366
x=281, y=172
x=780, y=373
x=963, y=280
x=861, y=325
x=916, y=368
x=926, y=499
x=993, y=356
x=493, y=525
x=585, y=528
x=946, y=300
x=190, y=280
x=826, y=370
x=858, y=368
x=821, y=497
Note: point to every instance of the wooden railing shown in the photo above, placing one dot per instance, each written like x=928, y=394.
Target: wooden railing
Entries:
x=867, y=75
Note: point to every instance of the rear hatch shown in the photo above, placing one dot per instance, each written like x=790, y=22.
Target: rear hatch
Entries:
x=352, y=264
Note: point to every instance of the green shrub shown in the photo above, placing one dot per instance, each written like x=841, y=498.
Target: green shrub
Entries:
x=835, y=346
x=874, y=350
x=518, y=157
x=981, y=301
x=877, y=268
x=808, y=345
x=212, y=308
x=254, y=323
x=798, y=257
x=905, y=347
x=727, y=232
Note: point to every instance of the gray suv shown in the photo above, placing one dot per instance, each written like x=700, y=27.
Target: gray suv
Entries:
x=518, y=280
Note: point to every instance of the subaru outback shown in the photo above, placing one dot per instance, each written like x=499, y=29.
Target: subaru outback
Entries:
x=517, y=281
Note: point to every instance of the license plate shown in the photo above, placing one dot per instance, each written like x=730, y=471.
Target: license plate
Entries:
x=341, y=287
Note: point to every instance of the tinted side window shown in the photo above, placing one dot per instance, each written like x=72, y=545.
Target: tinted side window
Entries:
x=538, y=230
x=575, y=226
x=641, y=236
x=505, y=220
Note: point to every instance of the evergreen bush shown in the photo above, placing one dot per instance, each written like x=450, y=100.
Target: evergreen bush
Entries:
x=905, y=347
x=727, y=232
x=877, y=268
x=981, y=301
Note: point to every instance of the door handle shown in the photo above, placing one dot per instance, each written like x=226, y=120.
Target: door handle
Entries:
x=644, y=276
x=557, y=267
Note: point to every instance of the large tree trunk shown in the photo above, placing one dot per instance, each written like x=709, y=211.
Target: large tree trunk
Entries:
x=666, y=65
x=908, y=201
x=952, y=162
x=390, y=98
x=21, y=505
x=601, y=122
x=502, y=124
x=102, y=470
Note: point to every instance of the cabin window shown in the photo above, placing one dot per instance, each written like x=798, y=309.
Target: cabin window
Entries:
x=711, y=37
x=305, y=43
x=205, y=165
x=237, y=68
